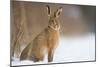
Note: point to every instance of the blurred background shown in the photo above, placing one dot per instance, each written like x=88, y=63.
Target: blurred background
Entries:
x=78, y=27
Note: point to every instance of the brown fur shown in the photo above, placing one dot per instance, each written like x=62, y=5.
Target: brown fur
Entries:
x=46, y=41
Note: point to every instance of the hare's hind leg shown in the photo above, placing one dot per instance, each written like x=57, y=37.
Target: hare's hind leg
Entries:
x=39, y=57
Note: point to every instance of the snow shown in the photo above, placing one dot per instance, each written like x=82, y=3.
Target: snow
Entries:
x=70, y=49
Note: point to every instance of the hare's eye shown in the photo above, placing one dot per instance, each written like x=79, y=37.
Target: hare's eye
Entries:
x=59, y=13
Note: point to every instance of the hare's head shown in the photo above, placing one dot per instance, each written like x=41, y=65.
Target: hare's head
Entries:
x=53, y=18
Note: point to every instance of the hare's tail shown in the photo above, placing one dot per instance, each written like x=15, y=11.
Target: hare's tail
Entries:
x=26, y=53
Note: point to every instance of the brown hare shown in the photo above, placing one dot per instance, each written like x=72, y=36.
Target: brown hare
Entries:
x=46, y=41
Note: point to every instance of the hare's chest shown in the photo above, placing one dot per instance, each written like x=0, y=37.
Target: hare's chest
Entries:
x=53, y=40
x=53, y=36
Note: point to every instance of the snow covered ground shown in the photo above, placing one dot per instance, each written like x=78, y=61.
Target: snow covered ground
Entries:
x=70, y=49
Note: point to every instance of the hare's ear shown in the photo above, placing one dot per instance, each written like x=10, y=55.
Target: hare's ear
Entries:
x=48, y=10
x=58, y=12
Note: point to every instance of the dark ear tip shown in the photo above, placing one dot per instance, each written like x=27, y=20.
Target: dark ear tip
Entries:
x=47, y=5
x=60, y=7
